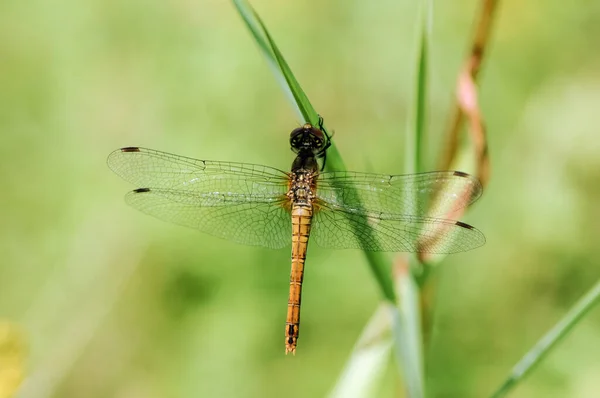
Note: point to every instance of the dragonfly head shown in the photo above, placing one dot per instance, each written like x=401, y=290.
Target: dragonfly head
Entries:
x=308, y=139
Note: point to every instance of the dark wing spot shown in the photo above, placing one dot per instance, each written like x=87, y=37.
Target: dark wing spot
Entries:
x=141, y=190
x=461, y=174
x=130, y=149
x=462, y=224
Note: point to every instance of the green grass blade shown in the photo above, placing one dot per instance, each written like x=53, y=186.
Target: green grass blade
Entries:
x=307, y=112
x=417, y=126
x=407, y=325
x=253, y=25
x=278, y=64
x=378, y=262
x=306, y=108
x=363, y=371
x=420, y=125
x=406, y=328
x=550, y=340
x=285, y=76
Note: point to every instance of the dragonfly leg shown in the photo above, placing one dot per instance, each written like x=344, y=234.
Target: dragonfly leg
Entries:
x=323, y=152
x=324, y=161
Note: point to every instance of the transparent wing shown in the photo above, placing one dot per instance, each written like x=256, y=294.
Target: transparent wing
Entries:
x=340, y=229
x=154, y=169
x=241, y=202
x=243, y=219
x=432, y=194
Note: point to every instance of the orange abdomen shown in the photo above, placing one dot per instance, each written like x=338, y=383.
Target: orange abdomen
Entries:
x=301, y=221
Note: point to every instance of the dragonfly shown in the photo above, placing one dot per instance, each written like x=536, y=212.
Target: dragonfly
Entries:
x=263, y=206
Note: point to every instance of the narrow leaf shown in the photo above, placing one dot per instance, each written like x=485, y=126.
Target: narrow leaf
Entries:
x=406, y=328
x=416, y=129
x=363, y=370
x=407, y=319
x=550, y=340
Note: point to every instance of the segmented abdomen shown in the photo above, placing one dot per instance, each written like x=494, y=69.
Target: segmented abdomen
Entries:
x=301, y=221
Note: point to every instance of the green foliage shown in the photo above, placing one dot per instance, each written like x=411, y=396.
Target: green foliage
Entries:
x=97, y=289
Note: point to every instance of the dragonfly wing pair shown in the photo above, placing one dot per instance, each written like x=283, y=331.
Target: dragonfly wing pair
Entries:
x=247, y=203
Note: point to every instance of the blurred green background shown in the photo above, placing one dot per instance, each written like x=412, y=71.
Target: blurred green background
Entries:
x=117, y=304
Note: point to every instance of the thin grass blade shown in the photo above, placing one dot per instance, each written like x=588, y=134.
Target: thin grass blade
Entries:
x=550, y=340
x=407, y=317
x=416, y=127
x=406, y=327
x=363, y=370
x=253, y=25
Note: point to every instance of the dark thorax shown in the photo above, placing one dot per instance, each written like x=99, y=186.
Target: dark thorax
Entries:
x=305, y=170
x=308, y=143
